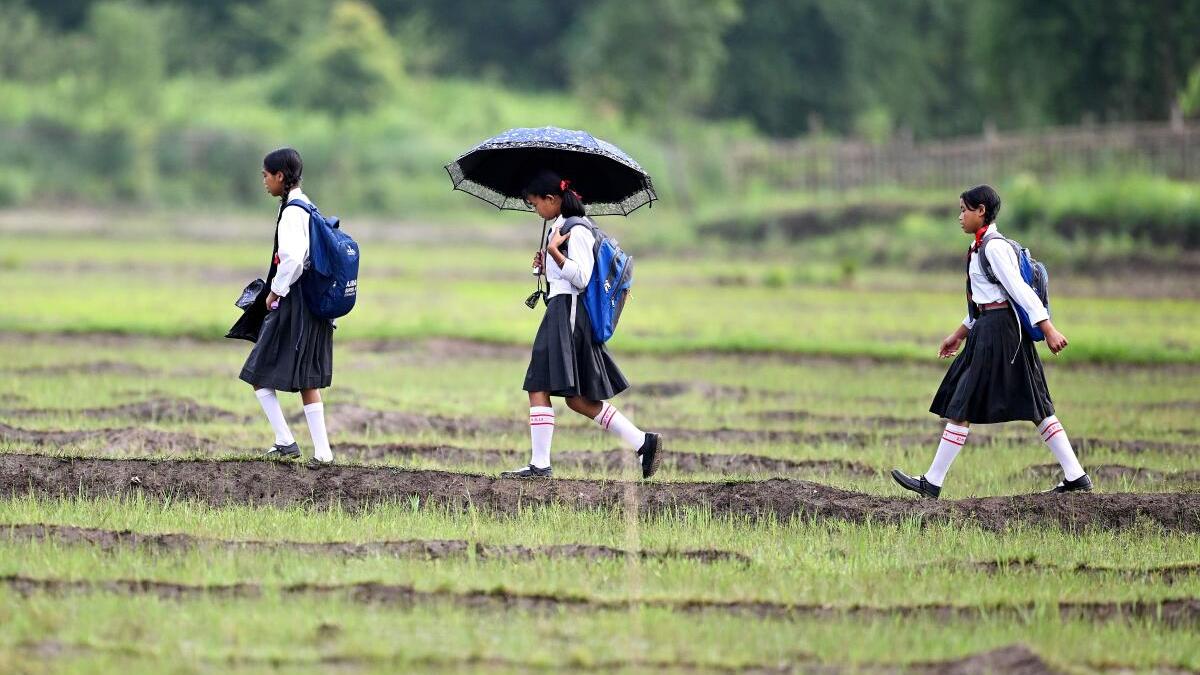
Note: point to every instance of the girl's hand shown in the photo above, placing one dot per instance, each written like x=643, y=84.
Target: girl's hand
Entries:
x=558, y=238
x=272, y=301
x=537, y=260
x=949, y=346
x=1055, y=340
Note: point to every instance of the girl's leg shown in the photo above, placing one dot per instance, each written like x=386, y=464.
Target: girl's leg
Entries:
x=1055, y=438
x=541, y=428
x=314, y=413
x=270, y=405
x=647, y=445
x=930, y=484
x=954, y=436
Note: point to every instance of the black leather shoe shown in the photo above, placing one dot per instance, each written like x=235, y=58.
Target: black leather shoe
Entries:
x=918, y=484
x=530, y=471
x=1081, y=484
x=314, y=463
x=651, y=454
x=283, y=452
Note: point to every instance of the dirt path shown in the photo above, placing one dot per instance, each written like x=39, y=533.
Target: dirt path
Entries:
x=355, y=487
x=429, y=549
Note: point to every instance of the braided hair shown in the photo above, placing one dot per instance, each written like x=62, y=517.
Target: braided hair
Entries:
x=287, y=161
x=546, y=183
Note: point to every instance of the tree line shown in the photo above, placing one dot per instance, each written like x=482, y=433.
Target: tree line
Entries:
x=870, y=68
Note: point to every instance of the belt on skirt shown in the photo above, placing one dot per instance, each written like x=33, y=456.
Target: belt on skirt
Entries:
x=993, y=306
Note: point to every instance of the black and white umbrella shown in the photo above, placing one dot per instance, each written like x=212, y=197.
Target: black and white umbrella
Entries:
x=608, y=180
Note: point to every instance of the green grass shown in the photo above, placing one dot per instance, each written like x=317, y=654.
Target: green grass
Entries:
x=90, y=285
x=162, y=299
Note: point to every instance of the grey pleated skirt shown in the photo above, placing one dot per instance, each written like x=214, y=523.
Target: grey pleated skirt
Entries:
x=566, y=362
x=997, y=377
x=294, y=349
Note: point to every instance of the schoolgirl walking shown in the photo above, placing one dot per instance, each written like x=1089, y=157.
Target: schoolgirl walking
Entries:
x=566, y=361
x=294, y=348
x=998, y=376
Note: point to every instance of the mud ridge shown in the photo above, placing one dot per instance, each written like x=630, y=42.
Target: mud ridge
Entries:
x=115, y=441
x=431, y=549
x=1117, y=472
x=1017, y=659
x=90, y=368
x=1174, y=612
x=349, y=419
x=1165, y=573
x=158, y=409
x=355, y=487
x=130, y=440
x=609, y=460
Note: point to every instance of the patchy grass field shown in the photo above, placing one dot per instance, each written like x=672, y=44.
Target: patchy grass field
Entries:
x=771, y=541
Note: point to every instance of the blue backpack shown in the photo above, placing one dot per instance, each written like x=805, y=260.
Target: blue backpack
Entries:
x=330, y=284
x=1033, y=272
x=608, y=288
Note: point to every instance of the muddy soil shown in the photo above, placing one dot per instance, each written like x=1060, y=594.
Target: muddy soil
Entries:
x=92, y=368
x=1119, y=472
x=1179, y=612
x=611, y=461
x=1015, y=659
x=1167, y=574
x=355, y=487
x=429, y=549
x=115, y=441
x=157, y=409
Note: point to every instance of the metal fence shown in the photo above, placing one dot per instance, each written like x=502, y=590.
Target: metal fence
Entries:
x=1171, y=149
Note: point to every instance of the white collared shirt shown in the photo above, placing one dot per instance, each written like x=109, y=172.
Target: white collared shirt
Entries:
x=293, y=245
x=576, y=271
x=1012, y=287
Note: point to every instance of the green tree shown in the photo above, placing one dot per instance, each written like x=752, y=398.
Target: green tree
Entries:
x=350, y=66
x=658, y=61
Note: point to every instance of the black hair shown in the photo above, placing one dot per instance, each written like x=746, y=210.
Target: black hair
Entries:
x=546, y=183
x=288, y=161
x=985, y=196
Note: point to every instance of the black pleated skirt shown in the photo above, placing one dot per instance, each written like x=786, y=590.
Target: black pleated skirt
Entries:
x=565, y=360
x=294, y=349
x=986, y=384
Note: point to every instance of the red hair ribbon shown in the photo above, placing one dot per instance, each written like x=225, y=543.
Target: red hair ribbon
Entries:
x=564, y=184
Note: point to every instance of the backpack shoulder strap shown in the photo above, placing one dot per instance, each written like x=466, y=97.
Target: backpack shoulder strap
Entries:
x=307, y=206
x=984, y=263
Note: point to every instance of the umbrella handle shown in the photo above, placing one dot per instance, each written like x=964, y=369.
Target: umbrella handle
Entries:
x=539, y=273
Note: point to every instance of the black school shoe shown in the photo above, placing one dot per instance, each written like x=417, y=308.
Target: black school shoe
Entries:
x=651, y=454
x=918, y=484
x=530, y=471
x=283, y=452
x=1081, y=484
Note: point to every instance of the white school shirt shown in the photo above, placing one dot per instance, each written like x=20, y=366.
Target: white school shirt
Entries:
x=1013, y=288
x=293, y=245
x=576, y=271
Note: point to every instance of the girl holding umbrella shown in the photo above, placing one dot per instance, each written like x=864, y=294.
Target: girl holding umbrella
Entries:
x=532, y=169
x=566, y=361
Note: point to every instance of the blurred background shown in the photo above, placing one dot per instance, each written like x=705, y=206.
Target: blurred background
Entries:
x=829, y=138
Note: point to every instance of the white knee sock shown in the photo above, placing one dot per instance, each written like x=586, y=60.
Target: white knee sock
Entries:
x=270, y=405
x=618, y=424
x=1055, y=437
x=953, y=439
x=541, y=433
x=315, y=414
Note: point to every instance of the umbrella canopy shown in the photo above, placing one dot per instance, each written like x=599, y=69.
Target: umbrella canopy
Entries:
x=609, y=181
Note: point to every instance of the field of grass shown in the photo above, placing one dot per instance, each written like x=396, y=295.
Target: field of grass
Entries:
x=764, y=373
